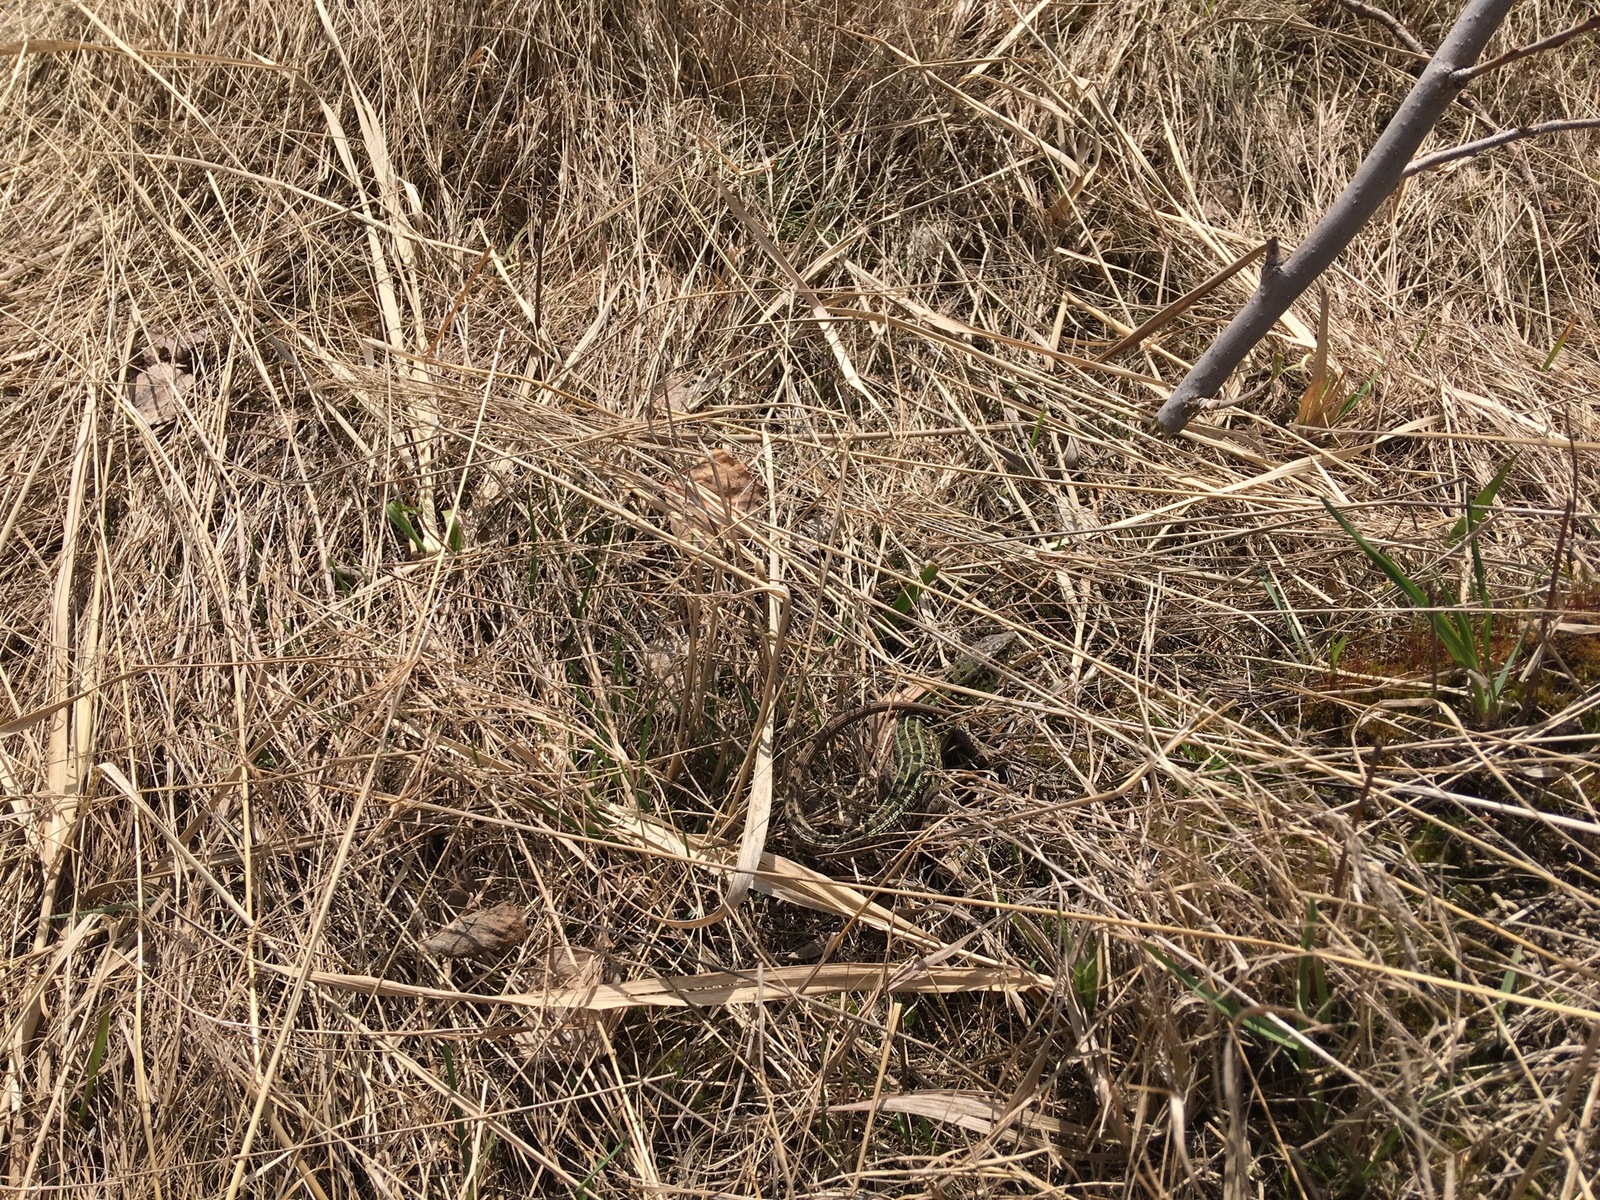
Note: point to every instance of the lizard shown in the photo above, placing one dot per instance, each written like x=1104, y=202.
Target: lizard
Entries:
x=916, y=747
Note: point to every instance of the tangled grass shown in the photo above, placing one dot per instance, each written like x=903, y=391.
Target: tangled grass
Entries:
x=365, y=564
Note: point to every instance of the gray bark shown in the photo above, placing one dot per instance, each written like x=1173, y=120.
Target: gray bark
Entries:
x=1374, y=181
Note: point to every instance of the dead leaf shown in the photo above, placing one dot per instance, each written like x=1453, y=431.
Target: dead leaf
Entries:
x=158, y=390
x=715, y=495
x=1322, y=378
x=480, y=934
x=662, y=659
x=1058, y=217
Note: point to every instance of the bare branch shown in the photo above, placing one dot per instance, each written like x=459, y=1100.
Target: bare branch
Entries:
x=1374, y=181
x=1467, y=101
x=1467, y=74
x=1390, y=22
x=1506, y=136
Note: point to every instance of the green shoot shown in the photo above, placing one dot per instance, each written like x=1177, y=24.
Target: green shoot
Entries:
x=1293, y=621
x=1508, y=981
x=1465, y=640
x=1336, y=650
x=1312, y=993
x=908, y=596
x=1228, y=1008
x=1086, y=980
x=400, y=514
x=454, y=535
x=583, y=1184
x=1560, y=342
x=1358, y=395
x=1385, y=1148
x=1479, y=505
x=471, y=1158
x=91, y=1070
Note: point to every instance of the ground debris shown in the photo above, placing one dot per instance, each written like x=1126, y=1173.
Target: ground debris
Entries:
x=481, y=933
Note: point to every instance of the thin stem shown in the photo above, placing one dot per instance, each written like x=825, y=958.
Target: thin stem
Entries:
x=1506, y=136
x=1531, y=681
x=1389, y=21
x=1467, y=74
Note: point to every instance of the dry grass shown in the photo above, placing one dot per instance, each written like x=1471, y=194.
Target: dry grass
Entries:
x=1243, y=905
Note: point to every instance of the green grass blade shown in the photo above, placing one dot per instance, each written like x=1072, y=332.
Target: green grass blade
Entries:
x=1289, y=617
x=399, y=515
x=906, y=599
x=1312, y=993
x=1360, y=393
x=1508, y=981
x=1560, y=342
x=583, y=1184
x=1086, y=980
x=1480, y=503
x=1511, y=661
x=1228, y=1008
x=1453, y=629
x=91, y=1070
x=1414, y=593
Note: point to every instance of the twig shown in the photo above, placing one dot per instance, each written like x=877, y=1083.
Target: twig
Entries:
x=1187, y=301
x=1579, y=1072
x=1506, y=136
x=1340, y=873
x=1390, y=22
x=1467, y=101
x=889, y=1030
x=1531, y=682
x=803, y=290
x=1556, y=40
x=461, y=298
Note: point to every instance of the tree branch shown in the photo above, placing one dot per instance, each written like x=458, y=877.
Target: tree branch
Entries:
x=1469, y=102
x=1390, y=22
x=1467, y=74
x=1506, y=136
x=1374, y=181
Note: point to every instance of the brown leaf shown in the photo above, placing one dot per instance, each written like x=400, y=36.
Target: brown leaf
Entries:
x=157, y=391
x=663, y=658
x=717, y=493
x=1322, y=378
x=1058, y=217
x=481, y=933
